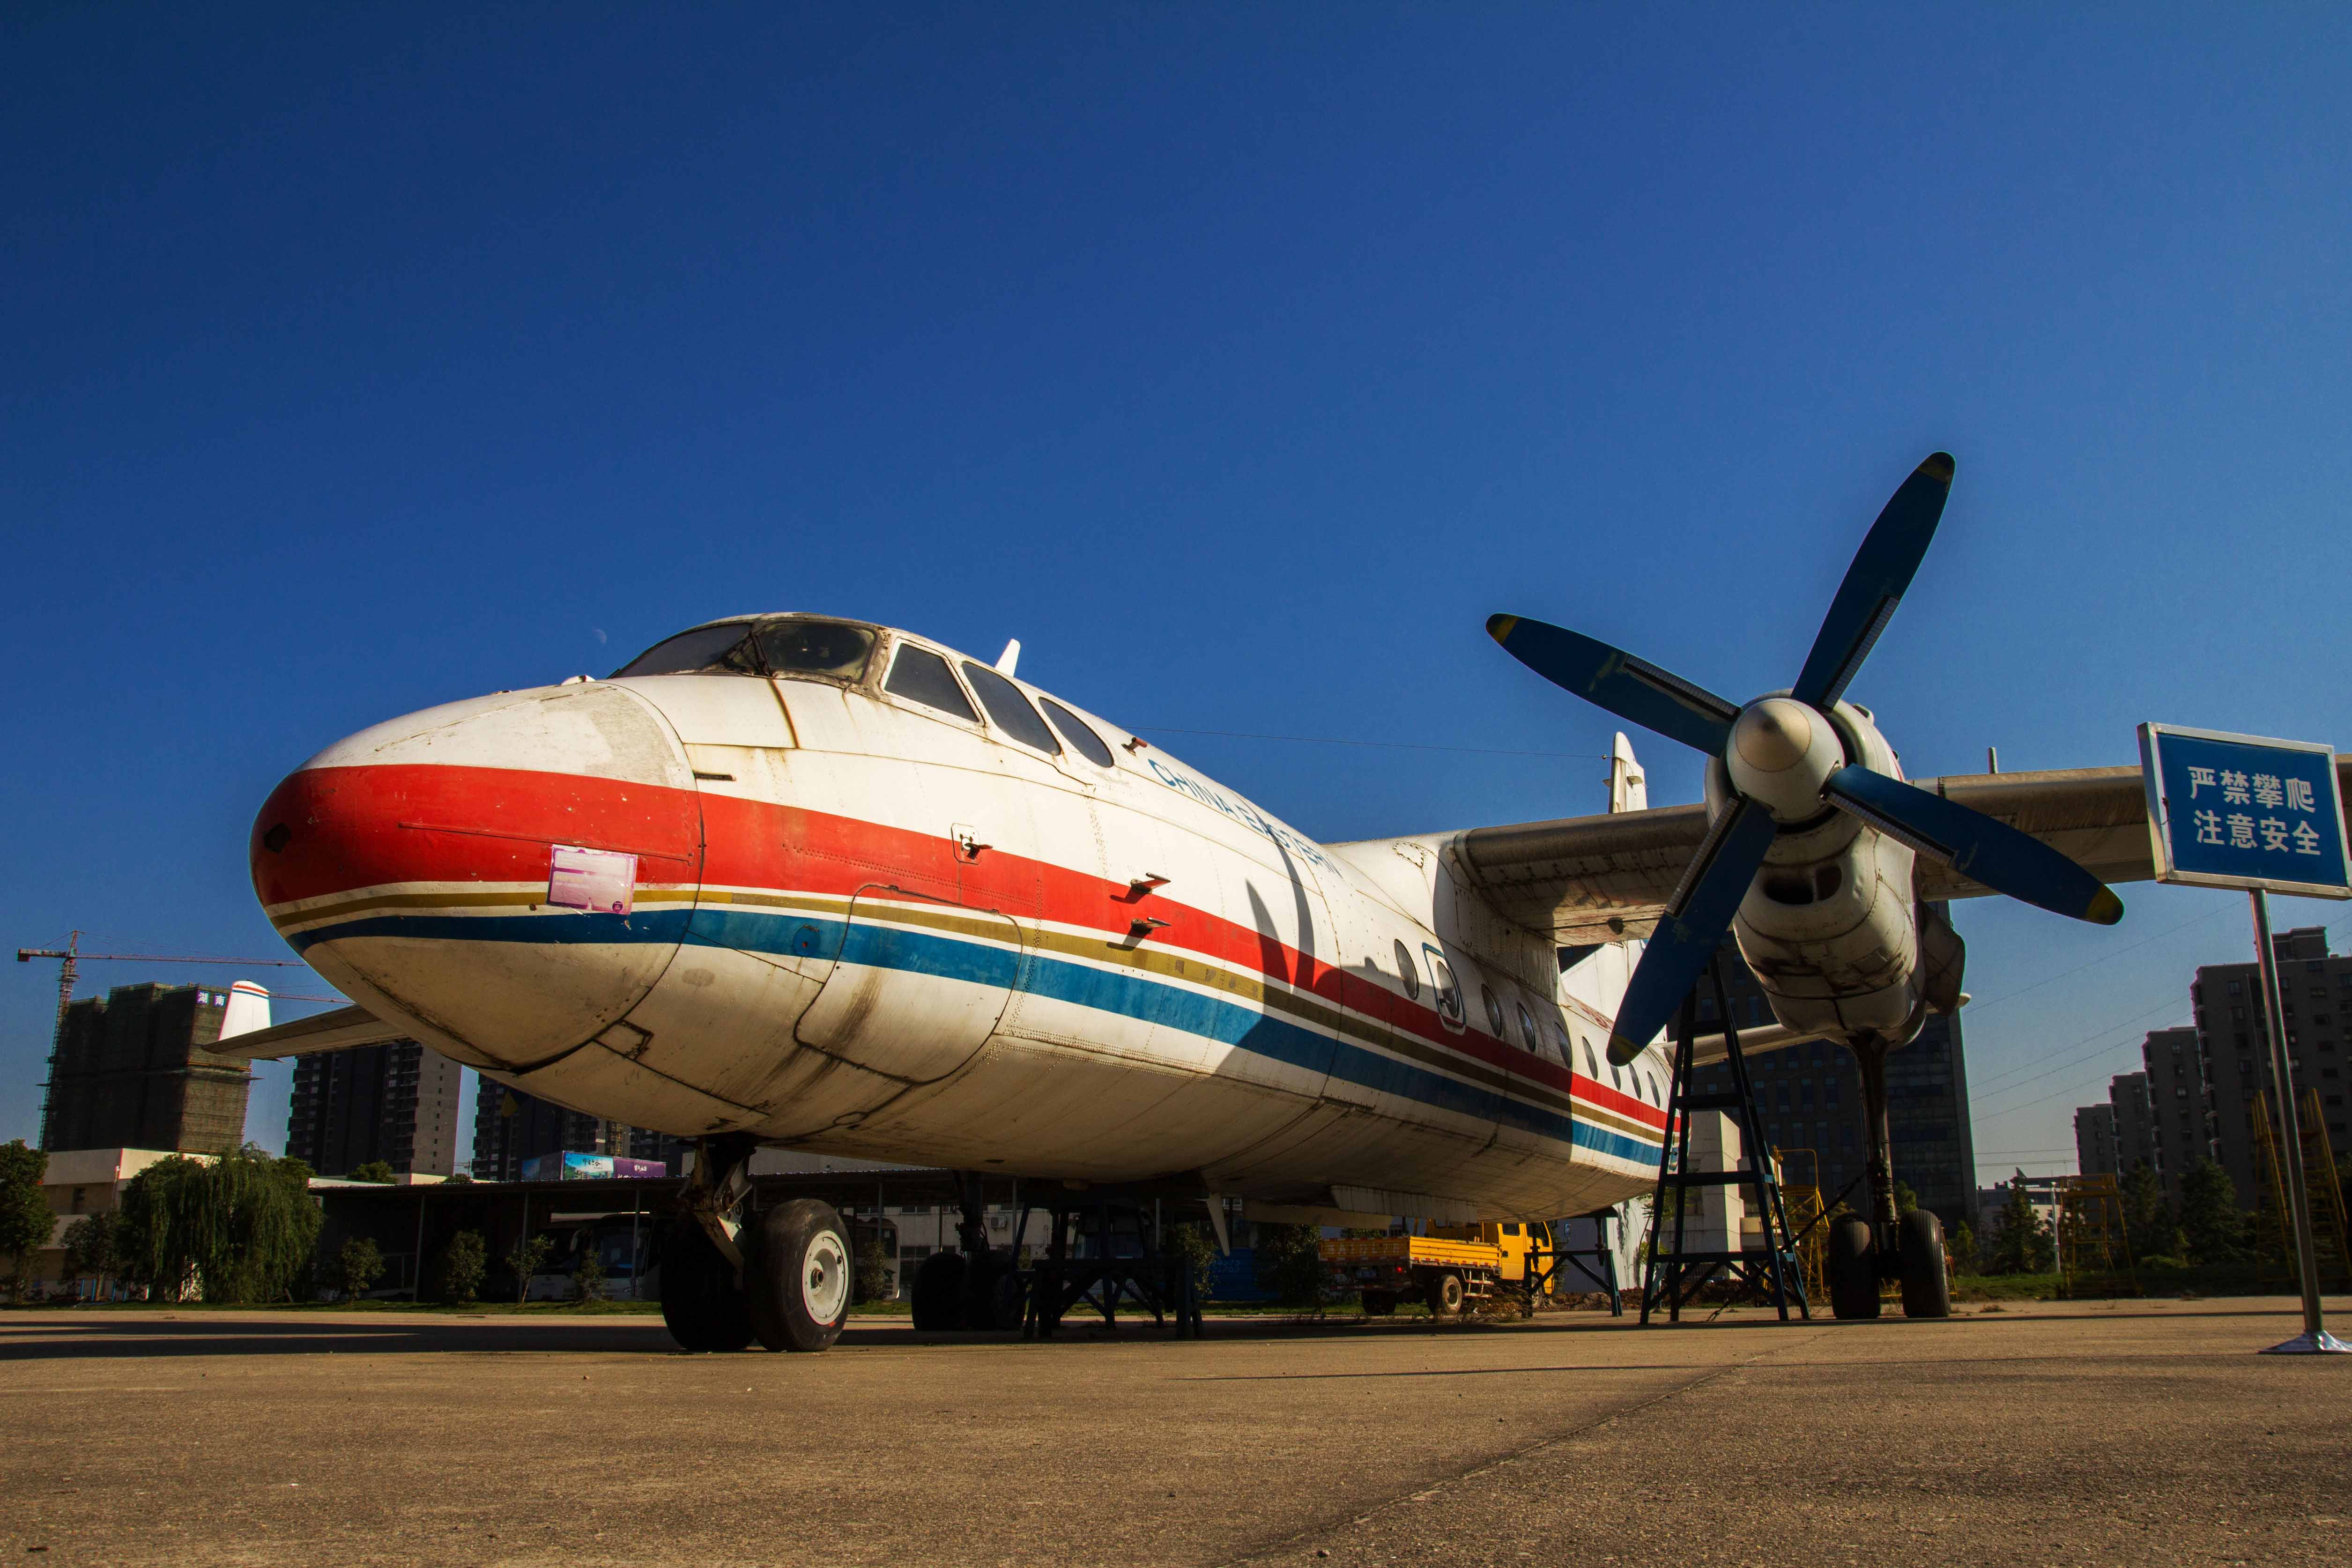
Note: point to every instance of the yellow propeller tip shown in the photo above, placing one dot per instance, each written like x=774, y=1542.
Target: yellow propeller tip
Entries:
x=2105, y=909
x=1939, y=466
x=1622, y=1051
x=1500, y=627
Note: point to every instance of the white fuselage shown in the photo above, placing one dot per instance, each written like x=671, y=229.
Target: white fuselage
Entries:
x=840, y=918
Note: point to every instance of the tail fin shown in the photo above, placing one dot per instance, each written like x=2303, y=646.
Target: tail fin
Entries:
x=1628, y=790
x=248, y=1010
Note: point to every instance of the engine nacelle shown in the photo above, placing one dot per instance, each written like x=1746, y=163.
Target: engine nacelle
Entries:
x=1831, y=925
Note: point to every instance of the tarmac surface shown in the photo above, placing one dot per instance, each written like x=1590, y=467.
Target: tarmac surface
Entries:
x=2138, y=1432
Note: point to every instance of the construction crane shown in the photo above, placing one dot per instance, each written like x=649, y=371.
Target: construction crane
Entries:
x=70, y=957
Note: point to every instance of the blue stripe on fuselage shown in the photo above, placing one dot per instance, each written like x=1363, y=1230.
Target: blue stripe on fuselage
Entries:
x=879, y=945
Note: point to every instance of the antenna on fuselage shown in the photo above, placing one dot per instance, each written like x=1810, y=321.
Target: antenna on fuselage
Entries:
x=1009, y=657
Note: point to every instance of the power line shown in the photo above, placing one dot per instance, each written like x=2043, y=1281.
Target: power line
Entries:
x=2074, y=1062
x=2010, y=995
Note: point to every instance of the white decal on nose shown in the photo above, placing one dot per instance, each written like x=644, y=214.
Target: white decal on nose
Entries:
x=600, y=880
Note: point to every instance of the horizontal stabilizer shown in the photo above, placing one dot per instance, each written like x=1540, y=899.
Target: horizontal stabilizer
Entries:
x=340, y=1030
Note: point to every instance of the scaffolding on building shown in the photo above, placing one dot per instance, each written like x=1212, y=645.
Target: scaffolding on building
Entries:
x=2321, y=1180
x=2095, y=1260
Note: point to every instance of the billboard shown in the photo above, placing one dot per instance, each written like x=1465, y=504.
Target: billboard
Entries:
x=574, y=1167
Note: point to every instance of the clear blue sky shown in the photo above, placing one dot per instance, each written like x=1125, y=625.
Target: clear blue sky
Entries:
x=1239, y=360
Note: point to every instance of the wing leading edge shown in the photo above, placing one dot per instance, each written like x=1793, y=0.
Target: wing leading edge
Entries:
x=1605, y=879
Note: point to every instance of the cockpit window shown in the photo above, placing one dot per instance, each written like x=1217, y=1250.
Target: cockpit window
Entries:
x=1078, y=734
x=723, y=650
x=1010, y=709
x=922, y=676
x=793, y=645
x=781, y=644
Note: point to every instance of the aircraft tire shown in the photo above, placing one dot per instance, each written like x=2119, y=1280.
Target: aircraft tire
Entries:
x=1380, y=1303
x=1446, y=1295
x=995, y=1296
x=798, y=1274
x=1927, y=1280
x=938, y=1295
x=700, y=1304
x=1853, y=1268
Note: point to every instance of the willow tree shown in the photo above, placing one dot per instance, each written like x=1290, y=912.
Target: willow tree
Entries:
x=240, y=1228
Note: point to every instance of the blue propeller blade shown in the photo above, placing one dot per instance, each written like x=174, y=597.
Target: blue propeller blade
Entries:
x=1875, y=583
x=1634, y=688
x=1974, y=844
x=1693, y=926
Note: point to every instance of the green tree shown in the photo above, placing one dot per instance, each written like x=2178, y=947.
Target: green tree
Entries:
x=357, y=1266
x=458, y=1179
x=242, y=1229
x=1193, y=1247
x=588, y=1276
x=872, y=1276
x=375, y=1171
x=2148, y=1218
x=463, y=1263
x=1905, y=1200
x=1290, y=1262
x=2022, y=1244
x=27, y=1221
x=90, y=1243
x=529, y=1254
x=2210, y=1220
x=1963, y=1243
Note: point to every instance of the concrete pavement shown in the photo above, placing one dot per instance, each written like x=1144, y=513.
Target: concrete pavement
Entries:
x=2141, y=1433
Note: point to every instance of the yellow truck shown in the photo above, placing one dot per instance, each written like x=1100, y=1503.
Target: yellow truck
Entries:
x=1450, y=1267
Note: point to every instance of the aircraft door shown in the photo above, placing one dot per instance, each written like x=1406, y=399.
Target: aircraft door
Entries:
x=919, y=985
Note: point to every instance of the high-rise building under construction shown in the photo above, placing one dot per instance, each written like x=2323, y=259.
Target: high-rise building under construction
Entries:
x=130, y=1071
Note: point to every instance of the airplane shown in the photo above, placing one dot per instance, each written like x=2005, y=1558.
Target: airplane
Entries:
x=798, y=880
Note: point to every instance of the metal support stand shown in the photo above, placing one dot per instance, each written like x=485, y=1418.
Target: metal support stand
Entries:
x=2315, y=1340
x=1598, y=1262
x=1115, y=1258
x=1673, y=1276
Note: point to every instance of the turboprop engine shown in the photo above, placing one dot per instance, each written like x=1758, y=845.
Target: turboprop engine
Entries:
x=1828, y=922
x=1811, y=830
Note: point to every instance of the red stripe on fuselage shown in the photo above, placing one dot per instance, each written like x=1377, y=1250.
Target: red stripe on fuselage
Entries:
x=371, y=826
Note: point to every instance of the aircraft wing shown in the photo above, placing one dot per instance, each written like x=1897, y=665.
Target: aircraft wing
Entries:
x=1605, y=879
x=340, y=1030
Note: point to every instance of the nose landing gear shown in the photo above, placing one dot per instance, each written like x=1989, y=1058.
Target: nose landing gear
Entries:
x=783, y=1278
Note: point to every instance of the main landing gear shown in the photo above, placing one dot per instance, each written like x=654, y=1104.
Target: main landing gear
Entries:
x=978, y=1288
x=1906, y=1247
x=728, y=1277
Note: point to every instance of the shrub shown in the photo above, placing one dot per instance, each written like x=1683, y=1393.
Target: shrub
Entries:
x=463, y=1263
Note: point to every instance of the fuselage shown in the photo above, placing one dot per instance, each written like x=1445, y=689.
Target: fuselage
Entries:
x=846, y=889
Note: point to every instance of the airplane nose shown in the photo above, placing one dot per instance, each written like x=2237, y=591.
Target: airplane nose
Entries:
x=511, y=875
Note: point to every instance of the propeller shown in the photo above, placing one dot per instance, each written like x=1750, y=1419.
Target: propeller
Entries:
x=1786, y=764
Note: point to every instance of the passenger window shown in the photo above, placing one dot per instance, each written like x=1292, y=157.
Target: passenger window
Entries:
x=1449, y=994
x=1078, y=734
x=1406, y=970
x=814, y=648
x=705, y=650
x=1591, y=1063
x=1527, y=1027
x=1010, y=709
x=1494, y=1012
x=922, y=676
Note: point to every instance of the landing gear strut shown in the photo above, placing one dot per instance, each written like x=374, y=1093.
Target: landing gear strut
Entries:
x=1887, y=1246
x=974, y=1288
x=782, y=1277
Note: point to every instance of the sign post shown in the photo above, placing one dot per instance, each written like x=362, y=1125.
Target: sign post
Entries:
x=2239, y=811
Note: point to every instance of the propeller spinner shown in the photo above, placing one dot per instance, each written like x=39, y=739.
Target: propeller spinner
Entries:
x=1787, y=765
